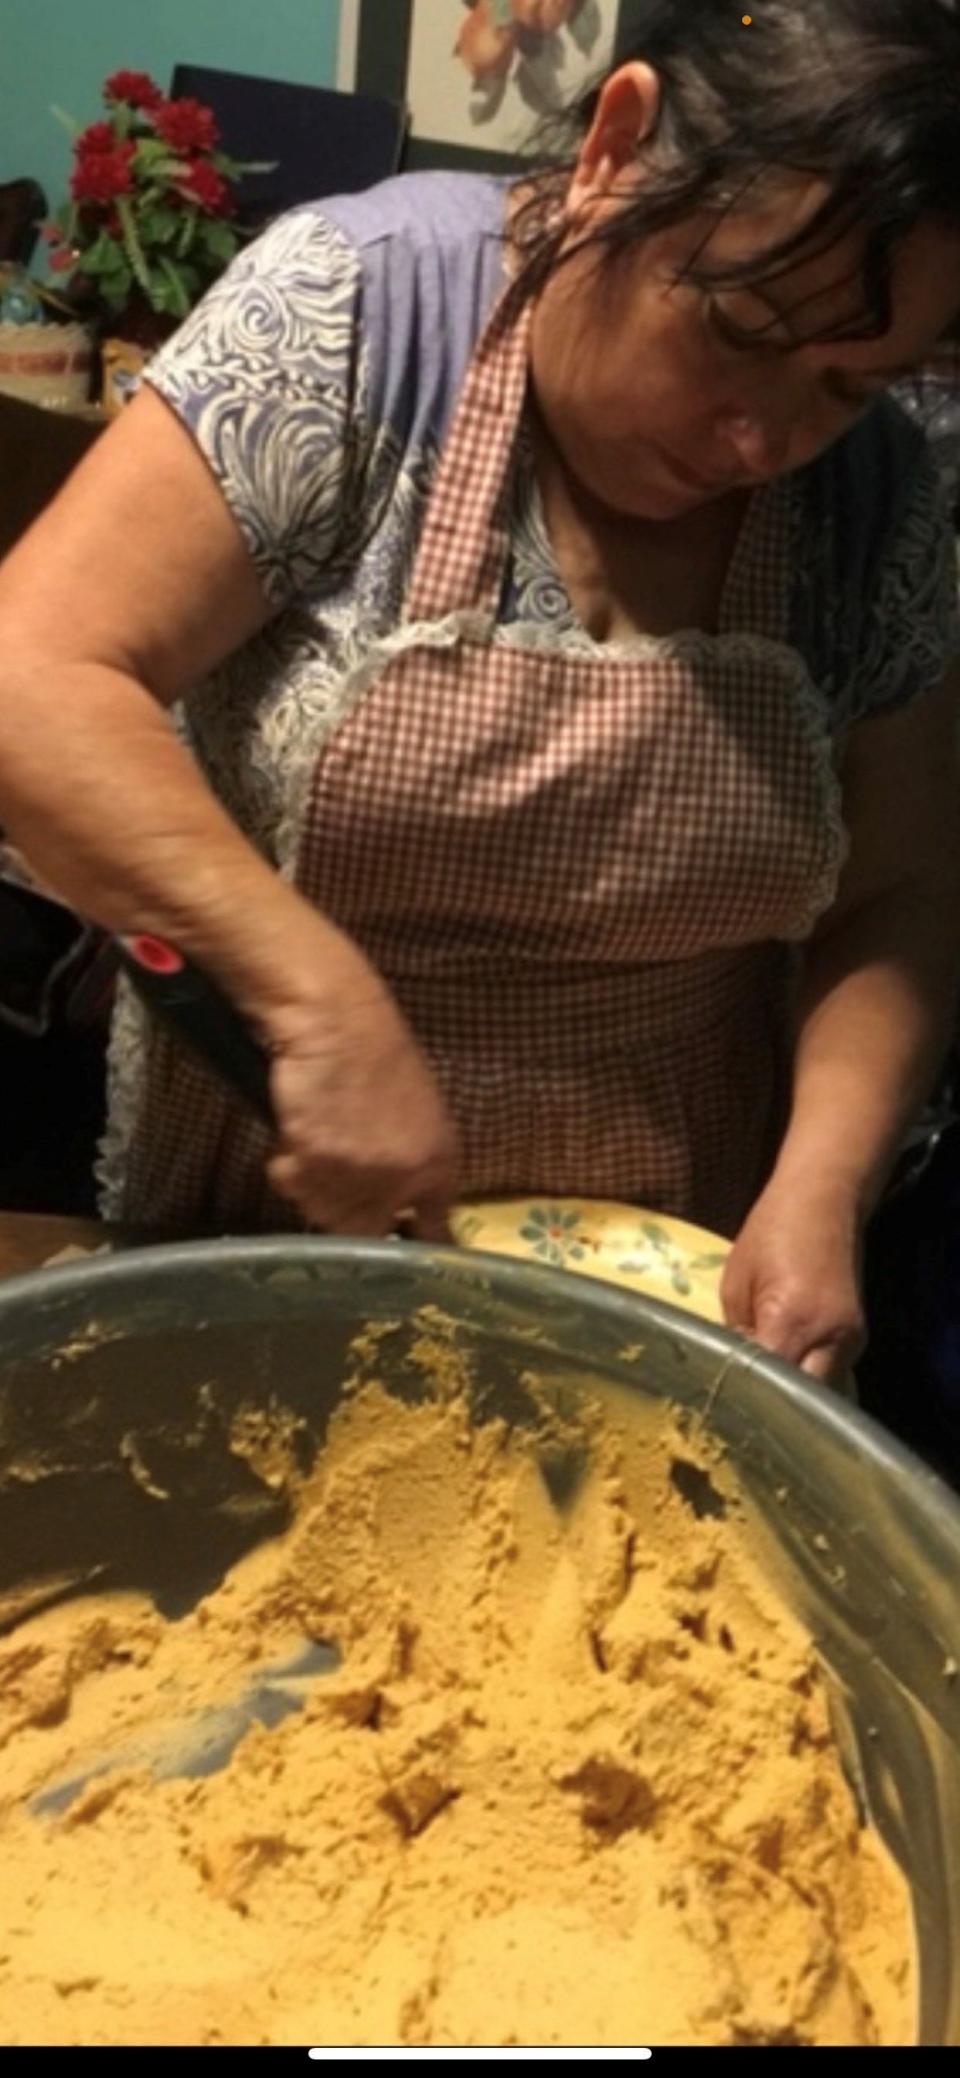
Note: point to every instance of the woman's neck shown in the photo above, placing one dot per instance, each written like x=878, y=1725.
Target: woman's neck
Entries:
x=627, y=576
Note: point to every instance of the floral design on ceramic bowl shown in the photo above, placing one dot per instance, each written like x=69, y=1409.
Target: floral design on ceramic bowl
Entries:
x=623, y=1244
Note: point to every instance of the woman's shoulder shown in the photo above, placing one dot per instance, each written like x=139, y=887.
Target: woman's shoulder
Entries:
x=374, y=300
x=321, y=370
x=451, y=214
x=869, y=480
x=415, y=260
x=875, y=574
x=419, y=234
x=873, y=501
x=411, y=268
x=429, y=250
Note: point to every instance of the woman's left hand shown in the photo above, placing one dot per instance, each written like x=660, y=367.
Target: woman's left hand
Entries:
x=792, y=1281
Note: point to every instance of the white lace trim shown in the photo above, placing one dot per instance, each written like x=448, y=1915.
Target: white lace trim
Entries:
x=684, y=645
x=362, y=670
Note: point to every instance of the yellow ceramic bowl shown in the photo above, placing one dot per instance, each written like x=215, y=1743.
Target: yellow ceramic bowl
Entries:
x=622, y=1244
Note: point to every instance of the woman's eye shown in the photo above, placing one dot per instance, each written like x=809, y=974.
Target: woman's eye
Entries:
x=736, y=339
x=731, y=335
x=722, y=329
x=854, y=397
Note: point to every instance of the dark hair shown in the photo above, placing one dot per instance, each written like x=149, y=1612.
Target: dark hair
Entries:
x=863, y=94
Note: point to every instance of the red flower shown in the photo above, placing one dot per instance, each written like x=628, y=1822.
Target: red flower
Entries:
x=136, y=88
x=203, y=184
x=187, y=126
x=101, y=175
x=98, y=137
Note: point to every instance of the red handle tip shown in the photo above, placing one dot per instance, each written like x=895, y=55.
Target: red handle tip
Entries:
x=154, y=954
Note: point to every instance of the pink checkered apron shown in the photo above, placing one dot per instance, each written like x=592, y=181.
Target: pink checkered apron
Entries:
x=581, y=874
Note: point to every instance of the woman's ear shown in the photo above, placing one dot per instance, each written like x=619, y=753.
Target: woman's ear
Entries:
x=625, y=115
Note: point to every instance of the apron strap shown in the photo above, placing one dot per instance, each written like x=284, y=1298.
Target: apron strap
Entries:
x=756, y=596
x=465, y=543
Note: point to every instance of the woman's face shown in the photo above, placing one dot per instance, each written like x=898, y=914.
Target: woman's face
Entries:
x=655, y=393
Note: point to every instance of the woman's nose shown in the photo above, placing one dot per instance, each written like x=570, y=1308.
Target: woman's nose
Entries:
x=760, y=444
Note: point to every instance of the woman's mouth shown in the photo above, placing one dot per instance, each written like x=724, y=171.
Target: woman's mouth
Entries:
x=710, y=487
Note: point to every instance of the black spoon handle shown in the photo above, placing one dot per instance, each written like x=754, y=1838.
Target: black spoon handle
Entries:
x=196, y=1011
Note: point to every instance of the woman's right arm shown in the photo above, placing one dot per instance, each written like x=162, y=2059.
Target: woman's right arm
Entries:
x=131, y=587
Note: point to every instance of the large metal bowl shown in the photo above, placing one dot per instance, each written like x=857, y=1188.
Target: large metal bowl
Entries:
x=139, y=1362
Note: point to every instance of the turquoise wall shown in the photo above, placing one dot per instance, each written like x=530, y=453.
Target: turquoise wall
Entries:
x=60, y=51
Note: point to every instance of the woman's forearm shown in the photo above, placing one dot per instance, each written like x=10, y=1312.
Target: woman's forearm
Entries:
x=117, y=817
x=132, y=587
x=112, y=813
x=877, y=1011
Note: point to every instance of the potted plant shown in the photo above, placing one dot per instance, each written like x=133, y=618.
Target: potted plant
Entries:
x=150, y=223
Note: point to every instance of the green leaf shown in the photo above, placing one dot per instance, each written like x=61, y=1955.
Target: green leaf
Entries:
x=149, y=149
x=153, y=194
x=68, y=122
x=132, y=245
x=219, y=240
x=234, y=169
x=189, y=225
x=115, y=292
x=174, y=289
x=157, y=224
x=156, y=161
x=107, y=265
x=167, y=292
x=104, y=257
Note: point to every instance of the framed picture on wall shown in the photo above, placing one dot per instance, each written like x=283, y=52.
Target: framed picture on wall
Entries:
x=479, y=77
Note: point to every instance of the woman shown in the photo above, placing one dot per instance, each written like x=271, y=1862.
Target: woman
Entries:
x=572, y=620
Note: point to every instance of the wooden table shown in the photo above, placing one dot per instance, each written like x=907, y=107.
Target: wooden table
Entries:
x=27, y=1241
